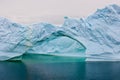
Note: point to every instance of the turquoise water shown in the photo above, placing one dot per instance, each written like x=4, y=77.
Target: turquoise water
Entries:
x=60, y=71
x=46, y=58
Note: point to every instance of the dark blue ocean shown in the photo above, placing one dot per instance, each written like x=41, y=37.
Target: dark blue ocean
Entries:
x=11, y=70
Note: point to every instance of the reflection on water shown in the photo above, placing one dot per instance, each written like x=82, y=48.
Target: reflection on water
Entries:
x=103, y=71
x=60, y=71
x=12, y=71
x=56, y=71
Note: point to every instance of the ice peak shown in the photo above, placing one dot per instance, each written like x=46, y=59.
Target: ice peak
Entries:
x=116, y=8
x=2, y=20
x=111, y=9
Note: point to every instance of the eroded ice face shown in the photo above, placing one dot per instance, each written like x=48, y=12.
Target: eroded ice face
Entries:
x=57, y=44
x=97, y=34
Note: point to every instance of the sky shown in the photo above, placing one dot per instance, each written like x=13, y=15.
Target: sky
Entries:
x=52, y=11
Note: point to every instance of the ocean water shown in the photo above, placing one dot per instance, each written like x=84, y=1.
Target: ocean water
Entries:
x=58, y=68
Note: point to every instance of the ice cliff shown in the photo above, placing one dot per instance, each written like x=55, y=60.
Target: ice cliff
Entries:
x=96, y=35
x=101, y=30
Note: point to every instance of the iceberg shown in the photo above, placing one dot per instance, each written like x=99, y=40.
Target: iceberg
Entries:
x=48, y=39
x=12, y=39
x=96, y=36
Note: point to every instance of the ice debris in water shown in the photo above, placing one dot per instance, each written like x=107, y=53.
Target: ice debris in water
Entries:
x=98, y=34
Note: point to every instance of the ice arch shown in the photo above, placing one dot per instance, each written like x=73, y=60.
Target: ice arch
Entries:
x=57, y=42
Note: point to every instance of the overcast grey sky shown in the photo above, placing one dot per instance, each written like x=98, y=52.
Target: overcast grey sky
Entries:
x=53, y=11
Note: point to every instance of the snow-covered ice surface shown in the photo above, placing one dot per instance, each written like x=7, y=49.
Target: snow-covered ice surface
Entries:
x=12, y=39
x=95, y=37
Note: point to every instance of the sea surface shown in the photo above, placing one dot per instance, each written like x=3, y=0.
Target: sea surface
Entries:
x=59, y=69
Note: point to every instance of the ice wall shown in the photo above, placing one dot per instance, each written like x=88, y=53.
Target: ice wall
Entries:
x=96, y=35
